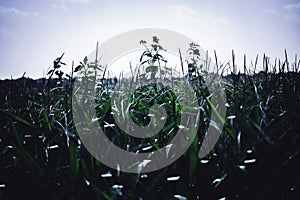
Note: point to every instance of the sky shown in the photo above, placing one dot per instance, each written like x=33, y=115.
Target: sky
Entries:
x=34, y=33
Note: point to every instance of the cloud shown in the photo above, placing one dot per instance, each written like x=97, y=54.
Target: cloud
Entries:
x=269, y=11
x=293, y=12
x=16, y=12
x=183, y=10
x=192, y=16
x=64, y=4
x=292, y=7
x=12, y=11
x=79, y=1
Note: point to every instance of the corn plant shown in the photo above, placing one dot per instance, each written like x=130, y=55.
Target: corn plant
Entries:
x=257, y=155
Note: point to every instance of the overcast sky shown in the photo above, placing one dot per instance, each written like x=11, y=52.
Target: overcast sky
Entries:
x=34, y=33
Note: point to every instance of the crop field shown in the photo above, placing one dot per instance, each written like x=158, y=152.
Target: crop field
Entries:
x=256, y=156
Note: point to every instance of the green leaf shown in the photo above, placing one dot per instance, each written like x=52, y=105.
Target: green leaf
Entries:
x=74, y=162
x=84, y=168
x=51, y=71
x=100, y=192
x=153, y=69
x=47, y=120
x=155, y=39
x=28, y=160
x=85, y=60
x=144, y=62
x=275, y=124
x=222, y=120
x=19, y=119
x=145, y=53
x=78, y=68
x=152, y=188
x=143, y=42
x=193, y=158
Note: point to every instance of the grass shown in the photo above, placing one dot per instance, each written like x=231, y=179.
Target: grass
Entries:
x=42, y=156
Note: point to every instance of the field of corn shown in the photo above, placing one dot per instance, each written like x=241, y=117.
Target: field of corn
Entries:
x=42, y=157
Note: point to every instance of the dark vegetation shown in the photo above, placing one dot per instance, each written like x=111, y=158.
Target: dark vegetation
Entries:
x=256, y=157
